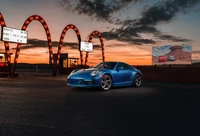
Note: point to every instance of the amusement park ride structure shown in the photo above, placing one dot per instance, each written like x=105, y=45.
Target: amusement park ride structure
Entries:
x=12, y=67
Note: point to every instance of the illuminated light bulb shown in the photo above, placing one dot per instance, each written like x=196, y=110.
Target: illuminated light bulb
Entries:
x=65, y=31
x=47, y=32
x=7, y=45
x=67, y=27
x=42, y=20
x=63, y=35
x=44, y=25
x=71, y=26
x=96, y=32
x=24, y=27
x=18, y=45
x=27, y=22
x=75, y=29
x=31, y=18
x=37, y=17
x=2, y=23
x=99, y=34
x=77, y=33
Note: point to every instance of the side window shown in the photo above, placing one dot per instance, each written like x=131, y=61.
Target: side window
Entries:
x=128, y=66
x=120, y=66
x=123, y=66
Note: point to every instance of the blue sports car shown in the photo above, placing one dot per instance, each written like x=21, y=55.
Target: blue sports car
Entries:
x=106, y=75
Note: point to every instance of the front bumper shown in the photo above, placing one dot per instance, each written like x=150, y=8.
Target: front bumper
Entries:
x=81, y=82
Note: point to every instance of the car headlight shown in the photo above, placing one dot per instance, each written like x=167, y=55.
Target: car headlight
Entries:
x=73, y=71
x=94, y=73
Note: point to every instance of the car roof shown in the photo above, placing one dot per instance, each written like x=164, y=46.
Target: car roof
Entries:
x=115, y=62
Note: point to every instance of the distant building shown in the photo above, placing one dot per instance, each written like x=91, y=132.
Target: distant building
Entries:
x=65, y=61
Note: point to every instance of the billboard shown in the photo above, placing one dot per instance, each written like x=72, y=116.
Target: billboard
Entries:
x=172, y=54
x=14, y=35
x=86, y=46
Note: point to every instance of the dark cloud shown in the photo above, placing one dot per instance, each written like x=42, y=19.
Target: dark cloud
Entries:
x=126, y=37
x=164, y=11
x=36, y=43
x=173, y=38
x=130, y=35
x=101, y=10
x=131, y=29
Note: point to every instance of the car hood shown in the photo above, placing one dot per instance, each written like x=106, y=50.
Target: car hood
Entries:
x=83, y=72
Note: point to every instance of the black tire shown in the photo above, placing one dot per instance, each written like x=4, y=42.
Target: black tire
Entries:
x=106, y=82
x=137, y=80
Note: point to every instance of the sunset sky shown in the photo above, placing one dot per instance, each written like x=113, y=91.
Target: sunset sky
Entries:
x=130, y=28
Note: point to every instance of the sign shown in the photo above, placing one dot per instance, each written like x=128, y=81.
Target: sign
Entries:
x=172, y=54
x=14, y=35
x=86, y=46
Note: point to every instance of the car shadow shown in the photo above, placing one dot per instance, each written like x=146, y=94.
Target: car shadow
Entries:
x=77, y=89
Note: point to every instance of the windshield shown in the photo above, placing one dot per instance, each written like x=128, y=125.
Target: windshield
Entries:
x=105, y=65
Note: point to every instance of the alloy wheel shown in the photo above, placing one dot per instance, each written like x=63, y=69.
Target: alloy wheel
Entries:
x=138, y=80
x=106, y=82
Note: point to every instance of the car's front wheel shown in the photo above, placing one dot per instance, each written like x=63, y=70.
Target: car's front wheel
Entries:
x=106, y=82
x=137, y=80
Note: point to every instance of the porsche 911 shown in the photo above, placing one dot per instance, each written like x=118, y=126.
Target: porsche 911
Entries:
x=106, y=75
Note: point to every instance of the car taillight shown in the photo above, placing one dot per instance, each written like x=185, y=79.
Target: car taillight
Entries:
x=2, y=64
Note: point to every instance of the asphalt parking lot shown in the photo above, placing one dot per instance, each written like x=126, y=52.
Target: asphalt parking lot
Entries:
x=42, y=105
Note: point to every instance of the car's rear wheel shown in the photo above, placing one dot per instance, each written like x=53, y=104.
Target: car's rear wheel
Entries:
x=137, y=80
x=106, y=82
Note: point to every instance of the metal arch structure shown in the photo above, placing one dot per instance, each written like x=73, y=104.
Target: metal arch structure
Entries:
x=70, y=26
x=6, y=44
x=24, y=27
x=42, y=21
x=102, y=45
